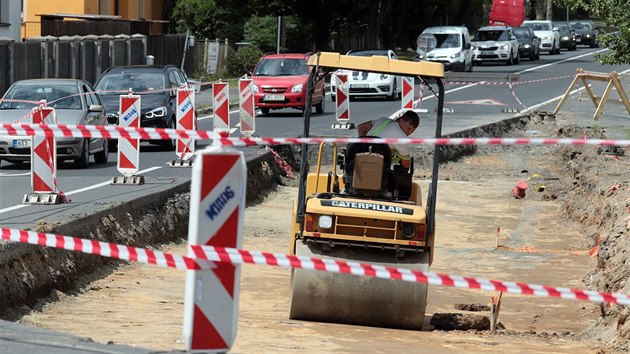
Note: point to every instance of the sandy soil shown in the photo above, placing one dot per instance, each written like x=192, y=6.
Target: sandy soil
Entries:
x=143, y=305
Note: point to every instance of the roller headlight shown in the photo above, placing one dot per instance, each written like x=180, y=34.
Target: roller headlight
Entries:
x=409, y=231
x=296, y=88
x=325, y=221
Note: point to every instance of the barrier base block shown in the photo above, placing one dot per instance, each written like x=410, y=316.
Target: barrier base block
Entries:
x=182, y=163
x=343, y=126
x=122, y=180
x=510, y=110
x=42, y=198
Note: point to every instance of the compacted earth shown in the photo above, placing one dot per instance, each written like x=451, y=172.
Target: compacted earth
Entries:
x=570, y=229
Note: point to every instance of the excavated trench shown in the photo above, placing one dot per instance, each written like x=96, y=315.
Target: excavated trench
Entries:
x=596, y=194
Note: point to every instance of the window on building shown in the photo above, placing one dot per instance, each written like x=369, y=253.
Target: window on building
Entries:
x=103, y=7
x=140, y=8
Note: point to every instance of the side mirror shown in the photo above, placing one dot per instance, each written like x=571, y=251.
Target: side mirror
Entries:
x=555, y=29
x=96, y=108
x=467, y=46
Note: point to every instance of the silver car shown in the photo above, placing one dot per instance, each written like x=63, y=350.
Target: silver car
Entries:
x=75, y=103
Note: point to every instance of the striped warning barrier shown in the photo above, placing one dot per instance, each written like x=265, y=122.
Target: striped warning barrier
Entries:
x=342, y=110
x=115, y=132
x=186, y=119
x=43, y=160
x=221, y=106
x=44, y=153
x=206, y=256
x=129, y=148
x=247, y=117
x=217, y=203
x=408, y=93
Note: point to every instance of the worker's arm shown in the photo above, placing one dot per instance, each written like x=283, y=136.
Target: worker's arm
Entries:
x=364, y=128
x=405, y=164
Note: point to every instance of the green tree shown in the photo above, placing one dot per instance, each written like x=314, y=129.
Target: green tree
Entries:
x=615, y=13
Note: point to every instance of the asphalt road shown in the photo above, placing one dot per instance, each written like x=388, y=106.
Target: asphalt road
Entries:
x=471, y=104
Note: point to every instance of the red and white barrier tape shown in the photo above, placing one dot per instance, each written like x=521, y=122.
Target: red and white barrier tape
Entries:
x=498, y=83
x=207, y=255
x=281, y=162
x=114, y=132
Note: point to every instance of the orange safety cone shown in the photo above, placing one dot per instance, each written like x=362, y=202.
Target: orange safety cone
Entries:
x=519, y=190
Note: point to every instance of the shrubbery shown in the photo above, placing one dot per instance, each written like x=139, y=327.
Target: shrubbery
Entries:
x=243, y=60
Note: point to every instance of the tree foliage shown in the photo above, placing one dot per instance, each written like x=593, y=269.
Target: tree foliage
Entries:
x=326, y=24
x=615, y=13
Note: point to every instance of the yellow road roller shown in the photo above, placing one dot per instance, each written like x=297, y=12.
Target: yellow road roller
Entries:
x=364, y=210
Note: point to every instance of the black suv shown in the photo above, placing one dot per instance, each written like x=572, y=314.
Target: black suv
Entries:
x=156, y=84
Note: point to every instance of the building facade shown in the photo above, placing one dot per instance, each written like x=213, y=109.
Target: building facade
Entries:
x=150, y=11
x=10, y=18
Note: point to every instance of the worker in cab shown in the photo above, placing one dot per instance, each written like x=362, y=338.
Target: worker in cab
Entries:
x=387, y=128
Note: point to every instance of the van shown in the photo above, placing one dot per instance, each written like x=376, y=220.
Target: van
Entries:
x=449, y=45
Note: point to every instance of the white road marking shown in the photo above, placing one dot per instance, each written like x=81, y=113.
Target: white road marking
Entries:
x=80, y=190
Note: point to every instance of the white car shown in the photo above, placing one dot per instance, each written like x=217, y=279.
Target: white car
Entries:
x=549, y=39
x=449, y=45
x=495, y=44
x=367, y=84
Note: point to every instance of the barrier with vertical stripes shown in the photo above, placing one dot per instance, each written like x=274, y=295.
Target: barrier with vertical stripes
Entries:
x=129, y=148
x=43, y=160
x=217, y=202
x=342, y=111
x=408, y=93
x=247, y=117
x=221, y=106
x=186, y=119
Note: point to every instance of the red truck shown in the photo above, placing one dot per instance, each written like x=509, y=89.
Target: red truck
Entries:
x=507, y=13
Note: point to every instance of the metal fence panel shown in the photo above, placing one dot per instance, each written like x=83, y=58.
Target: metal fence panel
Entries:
x=86, y=59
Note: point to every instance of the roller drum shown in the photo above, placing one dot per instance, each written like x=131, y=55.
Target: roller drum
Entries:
x=344, y=298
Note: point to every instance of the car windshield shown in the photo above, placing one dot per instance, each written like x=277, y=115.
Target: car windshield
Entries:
x=491, y=35
x=281, y=66
x=369, y=53
x=447, y=40
x=582, y=26
x=538, y=26
x=562, y=27
x=142, y=81
x=56, y=95
x=522, y=34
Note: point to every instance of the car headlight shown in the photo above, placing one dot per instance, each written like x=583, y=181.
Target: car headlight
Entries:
x=296, y=88
x=546, y=38
x=588, y=36
x=156, y=113
x=325, y=221
x=565, y=38
x=384, y=76
x=473, y=47
x=419, y=56
x=526, y=46
x=503, y=46
x=255, y=88
x=455, y=55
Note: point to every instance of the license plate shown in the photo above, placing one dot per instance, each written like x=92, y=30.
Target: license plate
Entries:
x=273, y=98
x=359, y=86
x=487, y=52
x=21, y=143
